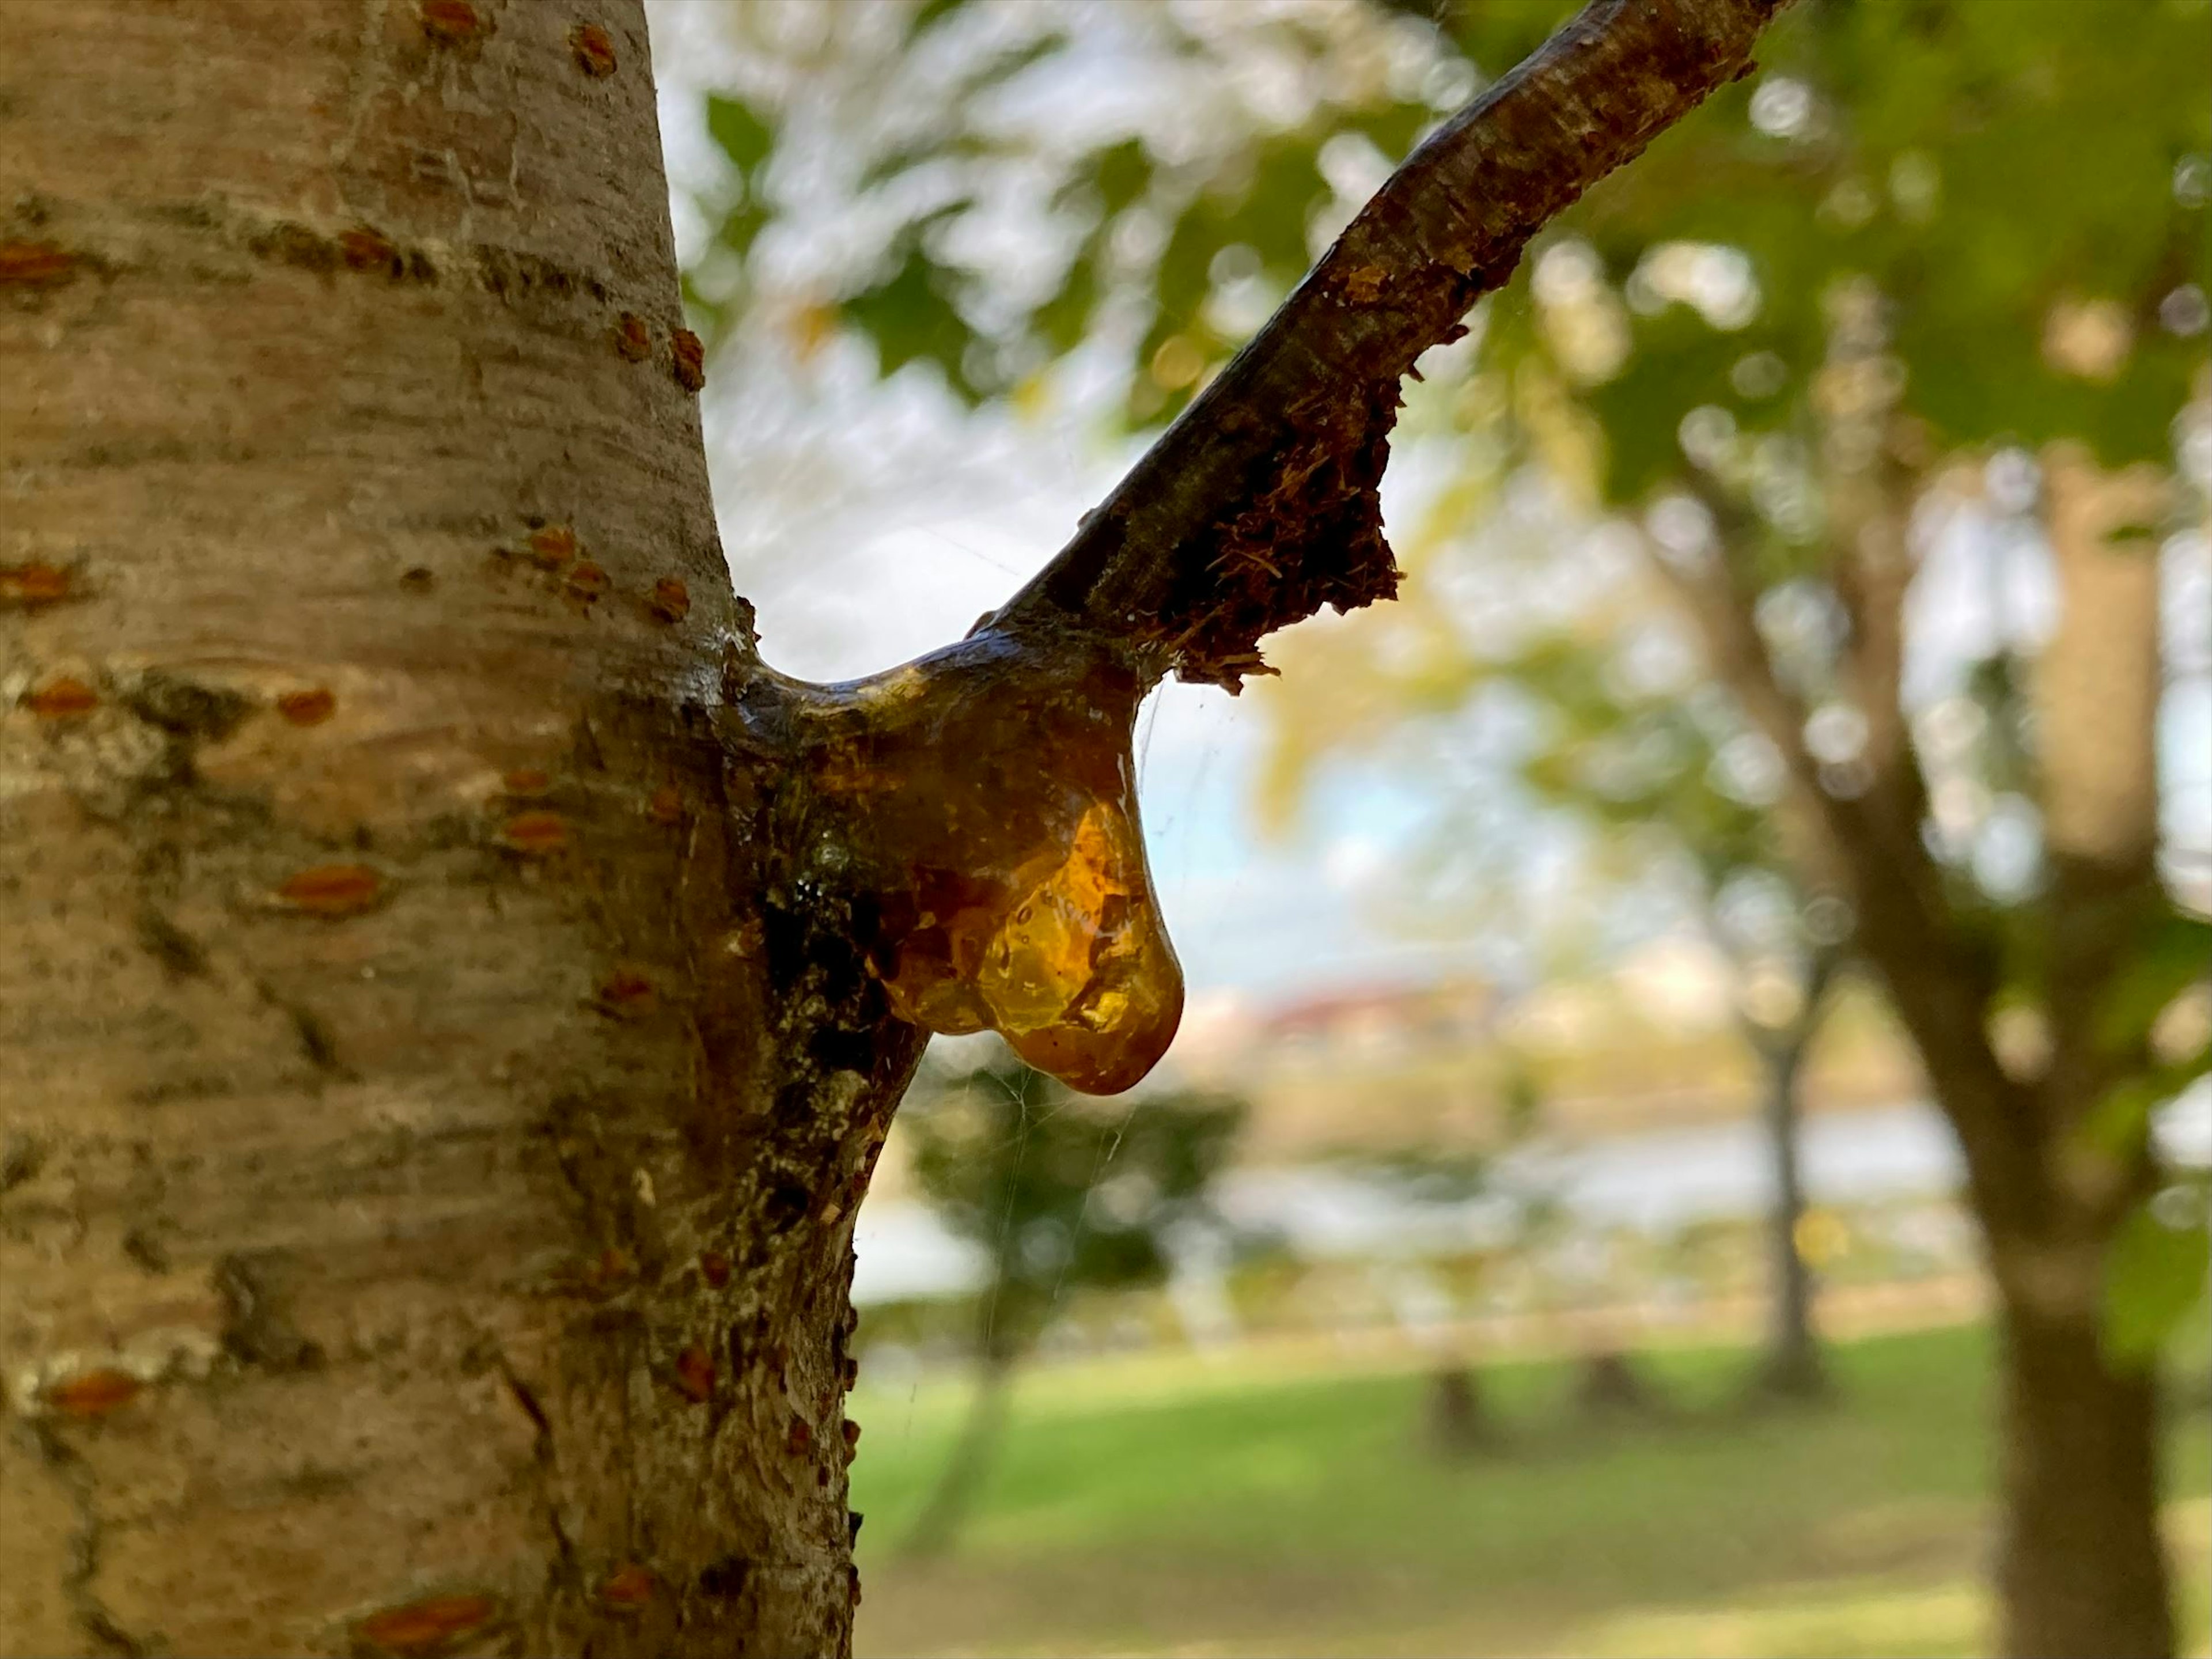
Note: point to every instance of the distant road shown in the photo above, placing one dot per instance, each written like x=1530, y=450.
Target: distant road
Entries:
x=1652, y=1181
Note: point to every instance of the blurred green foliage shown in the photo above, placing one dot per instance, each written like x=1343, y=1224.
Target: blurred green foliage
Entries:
x=1062, y=1194
x=2026, y=184
x=2155, y=1273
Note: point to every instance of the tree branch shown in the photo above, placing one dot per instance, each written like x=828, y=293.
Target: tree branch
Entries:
x=970, y=819
x=1259, y=505
x=1871, y=569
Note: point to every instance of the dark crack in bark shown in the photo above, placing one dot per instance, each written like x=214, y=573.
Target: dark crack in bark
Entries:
x=103, y=1632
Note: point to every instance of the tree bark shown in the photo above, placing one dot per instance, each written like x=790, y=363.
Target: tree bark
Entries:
x=2077, y=1430
x=2083, y=1569
x=454, y=1000
x=1792, y=1366
x=426, y=1223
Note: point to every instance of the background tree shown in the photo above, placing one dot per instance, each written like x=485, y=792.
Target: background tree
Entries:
x=1062, y=1197
x=1646, y=785
x=1806, y=408
x=1939, y=236
x=459, y=990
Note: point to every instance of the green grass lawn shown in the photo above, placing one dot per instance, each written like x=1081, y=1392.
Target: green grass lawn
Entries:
x=1198, y=1507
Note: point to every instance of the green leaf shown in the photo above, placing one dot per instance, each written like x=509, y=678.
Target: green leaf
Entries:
x=1062, y=321
x=1121, y=173
x=911, y=316
x=2177, y=954
x=928, y=13
x=2153, y=1274
x=740, y=226
x=739, y=131
x=2117, y=1124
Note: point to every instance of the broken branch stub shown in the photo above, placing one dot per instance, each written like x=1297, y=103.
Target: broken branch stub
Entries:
x=974, y=812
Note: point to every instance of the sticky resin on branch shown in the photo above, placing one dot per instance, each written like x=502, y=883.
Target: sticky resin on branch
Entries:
x=983, y=801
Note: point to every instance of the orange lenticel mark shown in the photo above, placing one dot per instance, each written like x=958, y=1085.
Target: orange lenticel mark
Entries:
x=714, y=1268
x=666, y=805
x=695, y=1373
x=332, y=890
x=688, y=354
x=539, y=834
x=587, y=581
x=671, y=599
x=364, y=249
x=626, y=992
x=612, y=1268
x=62, y=697
x=632, y=340
x=93, y=1393
x=31, y=585
x=451, y=22
x=595, y=50
x=800, y=1435
x=628, y=1588
x=526, y=782
x=308, y=707
x=35, y=265
x=426, y=1626
x=552, y=545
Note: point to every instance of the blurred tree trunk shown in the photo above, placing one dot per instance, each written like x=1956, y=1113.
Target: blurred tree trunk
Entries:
x=1461, y=1422
x=1792, y=1367
x=420, y=1226
x=937, y=1528
x=2083, y=1570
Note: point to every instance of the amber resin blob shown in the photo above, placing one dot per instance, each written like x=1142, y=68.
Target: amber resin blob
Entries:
x=986, y=797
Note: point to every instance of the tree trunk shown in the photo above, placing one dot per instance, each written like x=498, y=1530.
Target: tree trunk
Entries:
x=1461, y=1421
x=422, y=1225
x=2083, y=1572
x=1792, y=1367
x=938, y=1526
